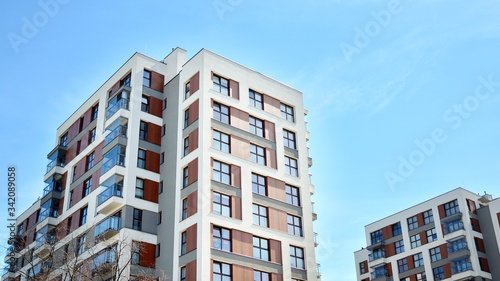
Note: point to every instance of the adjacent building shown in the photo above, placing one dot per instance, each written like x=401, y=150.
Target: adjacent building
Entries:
x=454, y=236
x=175, y=170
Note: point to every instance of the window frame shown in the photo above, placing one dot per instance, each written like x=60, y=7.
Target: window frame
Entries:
x=185, y=177
x=222, y=236
x=261, y=248
x=137, y=219
x=256, y=99
x=92, y=135
x=186, y=118
x=412, y=222
x=84, y=212
x=183, y=243
x=221, y=204
x=291, y=198
x=143, y=130
x=221, y=141
x=260, y=215
x=415, y=241
x=87, y=186
x=218, y=84
x=145, y=103
x=435, y=254
x=291, y=166
x=428, y=217
x=221, y=271
x=139, y=187
x=297, y=260
x=294, y=225
x=287, y=112
x=259, y=184
x=399, y=246
x=289, y=139
x=220, y=114
x=258, y=154
x=90, y=160
x=146, y=78
x=141, y=161
x=256, y=126
x=221, y=172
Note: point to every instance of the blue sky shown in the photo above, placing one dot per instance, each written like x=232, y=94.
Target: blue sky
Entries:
x=403, y=96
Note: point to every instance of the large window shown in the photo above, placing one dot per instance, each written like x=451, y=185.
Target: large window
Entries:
x=291, y=166
x=402, y=265
x=184, y=214
x=415, y=241
x=260, y=248
x=221, y=271
x=451, y=208
x=186, y=146
x=146, y=78
x=87, y=187
x=289, y=139
x=221, y=141
x=185, y=177
x=90, y=160
x=143, y=131
x=145, y=103
x=260, y=215
x=221, y=112
x=292, y=195
x=186, y=118
x=222, y=238
x=297, y=257
x=255, y=99
x=399, y=246
x=376, y=237
x=412, y=223
x=421, y=276
x=457, y=245
x=183, y=243
x=81, y=242
x=260, y=276
x=95, y=112
x=139, y=188
x=221, y=85
x=259, y=184
x=257, y=154
x=438, y=273
x=137, y=219
x=221, y=172
x=92, y=135
x=256, y=126
x=431, y=235
x=63, y=140
x=396, y=229
x=428, y=217
x=435, y=254
x=418, y=260
x=141, y=158
x=287, y=112
x=221, y=204
x=294, y=225
x=83, y=215
x=461, y=265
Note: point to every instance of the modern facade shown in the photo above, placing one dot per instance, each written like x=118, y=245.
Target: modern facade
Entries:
x=175, y=170
x=454, y=236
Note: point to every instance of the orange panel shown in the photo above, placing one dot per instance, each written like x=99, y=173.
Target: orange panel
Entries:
x=276, y=189
x=151, y=191
x=155, y=106
x=191, y=235
x=147, y=254
x=271, y=105
x=447, y=270
x=154, y=133
x=277, y=219
x=242, y=273
x=193, y=171
x=192, y=199
x=444, y=251
x=236, y=176
x=191, y=271
x=194, y=111
x=271, y=158
x=194, y=83
x=242, y=243
x=152, y=161
x=157, y=81
x=193, y=140
x=442, y=213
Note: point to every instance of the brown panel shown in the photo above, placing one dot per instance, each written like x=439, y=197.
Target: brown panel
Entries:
x=86, y=117
x=389, y=269
x=152, y=161
x=475, y=225
x=276, y=277
x=271, y=158
x=154, y=133
x=98, y=153
x=240, y=147
x=73, y=130
x=413, y=277
x=484, y=265
x=236, y=176
x=387, y=232
x=193, y=140
x=194, y=113
x=234, y=89
x=447, y=270
x=64, y=179
x=61, y=207
x=242, y=243
x=75, y=220
x=157, y=81
x=411, y=264
x=277, y=219
x=84, y=141
x=32, y=219
x=444, y=251
x=147, y=255
x=155, y=106
x=479, y=244
x=193, y=171
x=270, y=132
x=275, y=251
x=390, y=250
x=71, y=153
x=95, y=179
x=236, y=207
x=115, y=87
x=276, y=189
x=191, y=238
x=472, y=206
x=442, y=213
x=242, y=273
x=191, y=271
x=77, y=195
x=151, y=190
x=420, y=219
x=272, y=105
x=239, y=119
x=80, y=168
x=192, y=199
x=194, y=83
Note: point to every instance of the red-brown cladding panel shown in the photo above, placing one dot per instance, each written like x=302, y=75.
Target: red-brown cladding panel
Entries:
x=194, y=83
x=191, y=236
x=154, y=133
x=234, y=89
x=194, y=111
x=155, y=106
x=275, y=247
x=193, y=140
x=444, y=251
x=447, y=270
x=192, y=200
x=157, y=81
x=236, y=207
x=191, y=271
x=236, y=176
x=193, y=171
x=442, y=214
x=152, y=161
x=147, y=255
x=151, y=191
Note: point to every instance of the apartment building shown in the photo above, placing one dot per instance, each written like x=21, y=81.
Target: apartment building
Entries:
x=175, y=170
x=454, y=236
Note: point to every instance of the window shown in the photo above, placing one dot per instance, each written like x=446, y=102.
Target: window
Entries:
x=187, y=90
x=435, y=254
x=186, y=146
x=418, y=260
x=87, y=187
x=160, y=187
x=289, y=139
x=260, y=248
x=184, y=209
x=402, y=265
x=81, y=241
x=222, y=204
x=141, y=158
x=221, y=112
x=165, y=103
x=78, y=146
x=92, y=136
x=95, y=112
x=145, y=103
x=461, y=265
x=260, y=276
x=399, y=246
x=162, y=158
x=428, y=218
x=287, y=112
x=81, y=124
x=396, y=229
x=160, y=216
x=221, y=141
x=256, y=126
x=186, y=118
x=257, y=154
x=139, y=188
x=431, y=235
x=137, y=219
x=63, y=141
x=255, y=99
x=421, y=276
x=291, y=167
x=158, y=250
x=412, y=223
x=221, y=172
x=259, y=184
x=136, y=253
x=438, y=273
x=294, y=225
x=185, y=177
x=146, y=78
x=376, y=237
x=221, y=84
x=126, y=81
x=222, y=238
x=221, y=271
x=83, y=215
x=90, y=161
x=415, y=241
x=297, y=257
x=451, y=208
x=183, y=242
x=453, y=226
x=259, y=215
x=362, y=268
x=292, y=195
x=183, y=273
x=457, y=245
x=143, y=131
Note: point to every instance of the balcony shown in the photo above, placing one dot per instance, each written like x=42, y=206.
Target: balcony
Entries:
x=318, y=270
x=458, y=248
x=104, y=261
x=114, y=157
x=380, y=274
x=116, y=105
x=52, y=186
x=44, y=245
x=111, y=198
x=57, y=159
x=316, y=243
x=453, y=226
x=314, y=215
x=120, y=131
x=108, y=228
x=379, y=254
x=50, y=212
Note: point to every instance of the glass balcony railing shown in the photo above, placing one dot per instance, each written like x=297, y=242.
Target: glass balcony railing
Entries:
x=52, y=212
x=52, y=186
x=115, y=106
x=120, y=131
x=457, y=245
x=118, y=159
x=453, y=226
x=376, y=255
x=106, y=257
x=59, y=161
x=111, y=223
x=461, y=265
x=45, y=239
x=378, y=272
x=114, y=190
